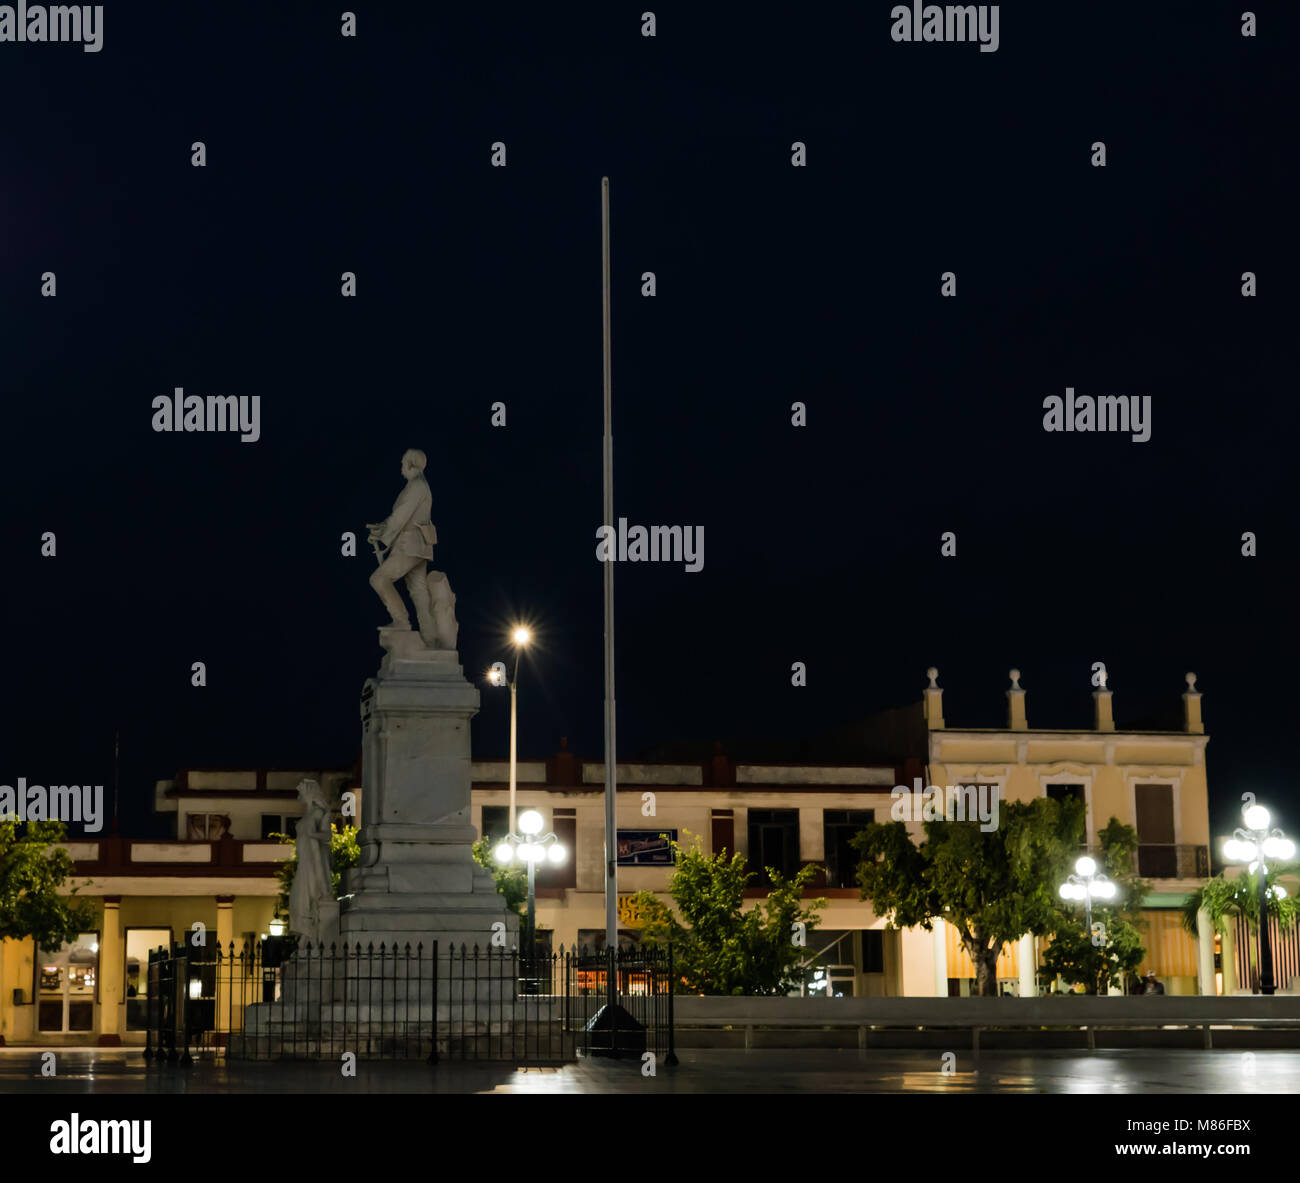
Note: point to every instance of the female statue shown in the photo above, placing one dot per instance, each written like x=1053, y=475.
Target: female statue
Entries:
x=311, y=882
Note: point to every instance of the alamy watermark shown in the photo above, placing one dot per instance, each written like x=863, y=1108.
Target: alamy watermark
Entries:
x=88, y=1135
x=651, y=544
x=54, y=22
x=1110, y=412
x=946, y=22
x=961, y=803
x=56, y=803
x=224, y=412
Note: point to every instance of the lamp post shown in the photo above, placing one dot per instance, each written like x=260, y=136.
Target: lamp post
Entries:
x=531, y=849
x=520, y=636
x=1246, y=846
x=1087, y=884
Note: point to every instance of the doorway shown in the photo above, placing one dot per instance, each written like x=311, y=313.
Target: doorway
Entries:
x=67, y=986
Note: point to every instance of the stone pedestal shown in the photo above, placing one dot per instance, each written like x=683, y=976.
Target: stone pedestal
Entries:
x=417, y=881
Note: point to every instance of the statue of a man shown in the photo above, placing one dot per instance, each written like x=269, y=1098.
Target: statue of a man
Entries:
x=408, y=536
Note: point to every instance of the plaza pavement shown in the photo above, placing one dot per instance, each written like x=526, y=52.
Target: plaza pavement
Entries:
x=101, y=1071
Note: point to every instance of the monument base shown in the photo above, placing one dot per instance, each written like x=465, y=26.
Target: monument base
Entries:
x=417, y=881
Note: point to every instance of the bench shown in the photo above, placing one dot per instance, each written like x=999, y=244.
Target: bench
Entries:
x=1078, y=1011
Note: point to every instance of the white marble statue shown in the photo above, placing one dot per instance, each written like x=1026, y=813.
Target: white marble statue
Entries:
x=404, y=546
x=443, y=599
x=312, y=907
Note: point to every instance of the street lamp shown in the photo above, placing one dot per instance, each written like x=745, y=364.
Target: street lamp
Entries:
x=1246, y=846
x=1087, y=884
x=528, y=847
x=520, y=636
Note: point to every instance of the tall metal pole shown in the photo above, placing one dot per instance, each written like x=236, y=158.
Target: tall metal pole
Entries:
x=117, y=735
x=532, y=912
x=1266, y=983
x=611, y=776
x=512, y=748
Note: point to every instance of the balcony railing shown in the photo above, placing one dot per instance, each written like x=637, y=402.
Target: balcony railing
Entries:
x=1161, y=861
x=1180, y=861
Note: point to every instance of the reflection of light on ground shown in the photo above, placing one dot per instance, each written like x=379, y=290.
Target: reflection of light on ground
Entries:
x=1091, y=1074
x=937, y=1082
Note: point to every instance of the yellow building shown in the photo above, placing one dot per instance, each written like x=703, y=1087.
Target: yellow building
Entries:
x=1154, y=781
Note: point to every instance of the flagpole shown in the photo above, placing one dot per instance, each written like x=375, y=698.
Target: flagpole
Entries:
x=611, y=773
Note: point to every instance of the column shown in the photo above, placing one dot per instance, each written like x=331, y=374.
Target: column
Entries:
x=112, y=972
x=918, y=971
x=941, y=958
x=1229, y=959
x=1204, y=953
x=1028, y=975
x=225, y=968
x=5, y=988
x=893, y=959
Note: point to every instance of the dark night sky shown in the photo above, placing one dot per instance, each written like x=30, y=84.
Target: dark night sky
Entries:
x=775, y=284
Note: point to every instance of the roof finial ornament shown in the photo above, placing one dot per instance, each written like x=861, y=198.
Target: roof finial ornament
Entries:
x=1191, y=683
x=1015, y=679
x=933, y=674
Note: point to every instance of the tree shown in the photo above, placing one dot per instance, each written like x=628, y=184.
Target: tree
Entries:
x=723, y=948
x=344, y=853
x=32, y=870
x=993, y=886
x=1073, y=954
x=512, y=882
x=1227, y=899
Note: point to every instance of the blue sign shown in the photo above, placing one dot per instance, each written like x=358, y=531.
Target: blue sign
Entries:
x=645, y=848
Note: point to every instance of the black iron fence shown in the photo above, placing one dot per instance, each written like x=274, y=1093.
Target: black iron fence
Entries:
x=272, y=1001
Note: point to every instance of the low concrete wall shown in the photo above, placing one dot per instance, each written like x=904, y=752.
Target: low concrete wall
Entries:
x=1077, y=1010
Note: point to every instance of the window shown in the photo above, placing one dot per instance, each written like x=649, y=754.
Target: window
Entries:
x=496, y=823
x=873, y=951
x=840, y=827
x=830, y=971
x=206, y=827
x=278, y=823
x=140, y=942
x=592, y=940
x=1072, y=792
x=723, y=825
x=773, y=842
x=1061, y=792
x=565, y=824
x=1157, y=854
x=67, y=986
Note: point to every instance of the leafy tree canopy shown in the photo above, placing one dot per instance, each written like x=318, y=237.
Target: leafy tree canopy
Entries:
x=344, y=853
x=993, y=886
x=1103, y=958
x=511, y=880
x=719, y=946
x=32, y=871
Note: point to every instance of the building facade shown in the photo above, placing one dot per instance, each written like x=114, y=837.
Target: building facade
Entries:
x=213, y=881
x=1154, y=781
x=216, y=876
x=791, y=815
